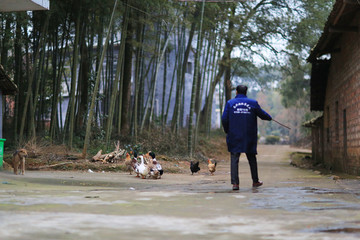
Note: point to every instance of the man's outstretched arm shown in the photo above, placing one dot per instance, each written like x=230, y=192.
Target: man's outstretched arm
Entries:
x=262, y=114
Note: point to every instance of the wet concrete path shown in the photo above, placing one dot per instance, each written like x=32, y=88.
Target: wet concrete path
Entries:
x=292, y=204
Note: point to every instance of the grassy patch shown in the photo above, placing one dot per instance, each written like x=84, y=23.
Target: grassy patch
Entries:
x=301, y=160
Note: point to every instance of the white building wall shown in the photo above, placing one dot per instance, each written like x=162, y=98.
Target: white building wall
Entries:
x=215, y=121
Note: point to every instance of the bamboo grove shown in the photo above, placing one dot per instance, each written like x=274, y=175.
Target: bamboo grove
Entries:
x=106, y=56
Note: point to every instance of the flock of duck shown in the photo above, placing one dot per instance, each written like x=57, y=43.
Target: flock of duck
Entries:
x=149, y=167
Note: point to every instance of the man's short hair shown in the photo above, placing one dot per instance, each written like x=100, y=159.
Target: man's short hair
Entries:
x=241, y=89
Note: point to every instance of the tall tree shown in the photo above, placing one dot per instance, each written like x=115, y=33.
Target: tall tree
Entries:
x=176, y=118
x=126, y=80
x=118, y=76
x=309, y=15
x=41, y=41
x=295, y=83
x=194, y=86
x=74, y=80
x=96, y=87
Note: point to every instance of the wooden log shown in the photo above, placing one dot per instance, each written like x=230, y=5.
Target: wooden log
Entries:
x=119, y=153
x=97, y=157
x=109, y=156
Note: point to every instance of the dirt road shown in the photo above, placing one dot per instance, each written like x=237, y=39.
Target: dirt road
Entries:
x=292, y=204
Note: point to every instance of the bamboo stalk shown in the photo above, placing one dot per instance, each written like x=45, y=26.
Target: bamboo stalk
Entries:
x=193, y=92
x=115, y=91
x=73, y=83
x=96, y=87
x=41, y=42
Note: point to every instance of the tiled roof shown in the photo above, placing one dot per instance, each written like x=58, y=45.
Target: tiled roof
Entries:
x=343, y=11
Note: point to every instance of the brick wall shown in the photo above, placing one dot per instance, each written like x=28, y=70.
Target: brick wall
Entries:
x=342, y=106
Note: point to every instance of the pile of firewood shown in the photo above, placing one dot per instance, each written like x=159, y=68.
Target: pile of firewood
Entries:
x=112, y=157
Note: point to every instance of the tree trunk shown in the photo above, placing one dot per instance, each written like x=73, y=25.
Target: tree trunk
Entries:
x=18, y=73
x=42, y=106
x=227, y=54
x=84, y=75
x=171, y=87
x=176, y=120
x=73, y=83
x=57, y=76
x=119, y=70
x=193, y=91
x=126, y=83
x=209, y=103
x=201, y=83
x=37, y=77
x=96, y=87
x=163, y=120
x=138, y=69
x=29, y=89
x=153, y=87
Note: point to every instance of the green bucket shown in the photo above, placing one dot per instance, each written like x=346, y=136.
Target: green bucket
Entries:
x=1, y=151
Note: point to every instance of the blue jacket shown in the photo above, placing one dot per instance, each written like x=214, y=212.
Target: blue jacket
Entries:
x=240, y=123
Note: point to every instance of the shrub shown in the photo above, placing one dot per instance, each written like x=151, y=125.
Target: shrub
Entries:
x=271, y=139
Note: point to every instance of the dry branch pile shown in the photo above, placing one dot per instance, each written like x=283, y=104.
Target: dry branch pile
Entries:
x=111, y=157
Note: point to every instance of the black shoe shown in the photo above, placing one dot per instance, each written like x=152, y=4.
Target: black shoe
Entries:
x=257, y=184
x=235, y=186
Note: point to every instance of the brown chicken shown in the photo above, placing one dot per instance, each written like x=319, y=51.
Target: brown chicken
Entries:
x=212, y=166
x=147, y=157
x=129, y=163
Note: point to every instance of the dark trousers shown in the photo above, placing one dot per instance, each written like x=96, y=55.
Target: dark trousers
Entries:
x=235, y=167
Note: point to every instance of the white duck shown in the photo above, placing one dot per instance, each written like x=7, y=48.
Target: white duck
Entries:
x=142, y=168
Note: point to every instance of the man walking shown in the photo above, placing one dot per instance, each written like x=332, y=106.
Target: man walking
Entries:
x=239, y=120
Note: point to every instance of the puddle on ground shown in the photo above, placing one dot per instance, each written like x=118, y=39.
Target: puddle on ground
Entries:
x=342, y=230
x=325, y=191
x=301, y=199
x=59, y=200
x=215, y=191
x=76, y=223
x=143, y=199
x=292, y=182
x=239, y=196
x=75, y=182
x=163, y=194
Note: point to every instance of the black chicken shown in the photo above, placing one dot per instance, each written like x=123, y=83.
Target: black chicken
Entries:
x=194, y=167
